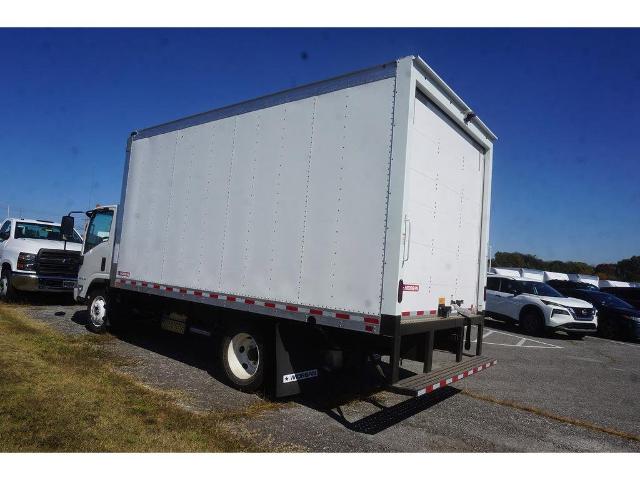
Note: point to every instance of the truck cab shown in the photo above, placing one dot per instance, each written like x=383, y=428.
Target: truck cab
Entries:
x=97, y=249
x=35, y=257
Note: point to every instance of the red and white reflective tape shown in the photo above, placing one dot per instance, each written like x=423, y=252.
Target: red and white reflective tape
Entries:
x=419, y=313
x=455, y=378
x=370, y=323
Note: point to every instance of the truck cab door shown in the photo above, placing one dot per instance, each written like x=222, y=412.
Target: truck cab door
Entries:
x=96, y=249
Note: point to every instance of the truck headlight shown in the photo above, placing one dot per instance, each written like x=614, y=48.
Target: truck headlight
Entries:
x=26, y=261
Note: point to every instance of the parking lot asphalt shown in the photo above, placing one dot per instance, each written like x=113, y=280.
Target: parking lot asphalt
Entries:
x=549, y=394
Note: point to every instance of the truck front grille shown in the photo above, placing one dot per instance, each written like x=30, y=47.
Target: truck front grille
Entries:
x=58, y=263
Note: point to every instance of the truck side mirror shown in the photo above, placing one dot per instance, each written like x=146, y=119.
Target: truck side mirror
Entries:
x=66, y=227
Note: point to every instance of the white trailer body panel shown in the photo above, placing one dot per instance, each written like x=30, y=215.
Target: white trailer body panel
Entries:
x=579, y=277
x=555, y=276
x=286, y=203
x=512, y=272
x=612, y=283
x=298, y=201
x=530, y=274
x=443, y=211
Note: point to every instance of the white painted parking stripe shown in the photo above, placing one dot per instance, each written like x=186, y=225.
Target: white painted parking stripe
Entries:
x=520, y=343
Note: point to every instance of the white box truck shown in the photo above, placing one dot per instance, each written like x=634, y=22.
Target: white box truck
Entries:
x=348, y=215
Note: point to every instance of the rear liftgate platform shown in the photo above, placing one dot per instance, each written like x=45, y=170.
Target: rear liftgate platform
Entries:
x=418, y=333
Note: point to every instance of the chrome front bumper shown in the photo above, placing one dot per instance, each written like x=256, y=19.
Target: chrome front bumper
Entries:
x=31, y=282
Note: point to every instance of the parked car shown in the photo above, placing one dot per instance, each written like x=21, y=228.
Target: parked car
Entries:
x=630, y=295
x=571, y=285
x=616, y=318
x=537, y=307
x=35, y=257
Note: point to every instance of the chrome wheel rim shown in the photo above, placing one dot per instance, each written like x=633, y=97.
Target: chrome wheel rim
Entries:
x=98, y=311
x=243, y=356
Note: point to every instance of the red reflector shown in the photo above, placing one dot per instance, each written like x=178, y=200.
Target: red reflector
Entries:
x=406, y=314
x=269, y=304
x=343, y=316
x=368, y=328
x=374, y=321
x=169, y=289
x=197, y=294
x=315, y=311
x=291, y=308
x=213, y=295
x=231, y=299
x=249, y=301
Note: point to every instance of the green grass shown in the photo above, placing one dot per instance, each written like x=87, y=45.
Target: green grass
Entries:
x=60, y=393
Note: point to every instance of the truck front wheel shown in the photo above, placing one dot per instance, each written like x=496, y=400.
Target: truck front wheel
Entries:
x=243, y=358
x=7, y=292
x=97, y=310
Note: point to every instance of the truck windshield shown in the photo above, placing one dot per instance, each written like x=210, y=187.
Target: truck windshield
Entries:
x=539, y=288
x=39, y=231
x=98, y=229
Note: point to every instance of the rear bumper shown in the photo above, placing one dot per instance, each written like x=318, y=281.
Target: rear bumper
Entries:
x=31, y=282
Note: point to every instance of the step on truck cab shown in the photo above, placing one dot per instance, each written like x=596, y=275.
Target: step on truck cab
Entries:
x=340, y=220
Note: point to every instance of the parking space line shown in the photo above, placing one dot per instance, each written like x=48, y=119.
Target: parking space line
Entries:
x=521, y=341
x=615, y=341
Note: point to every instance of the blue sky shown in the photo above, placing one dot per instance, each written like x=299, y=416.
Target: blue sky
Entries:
x=564, y=104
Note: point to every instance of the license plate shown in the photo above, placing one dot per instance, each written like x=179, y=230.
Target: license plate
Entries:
x=68, y=284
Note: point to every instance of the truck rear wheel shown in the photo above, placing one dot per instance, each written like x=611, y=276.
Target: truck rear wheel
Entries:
x=243, y=357
x=7, y=292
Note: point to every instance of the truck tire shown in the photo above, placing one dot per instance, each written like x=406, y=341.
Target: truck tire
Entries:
x=243, y=357
x=7, y=292
x=532, y=323
x=97, y=310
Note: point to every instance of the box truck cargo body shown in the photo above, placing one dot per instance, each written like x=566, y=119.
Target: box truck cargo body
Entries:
x=359, y=203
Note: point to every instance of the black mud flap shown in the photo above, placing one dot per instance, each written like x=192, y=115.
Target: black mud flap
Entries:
x=299, y=359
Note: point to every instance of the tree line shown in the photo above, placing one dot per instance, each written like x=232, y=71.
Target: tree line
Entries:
x=627, y=270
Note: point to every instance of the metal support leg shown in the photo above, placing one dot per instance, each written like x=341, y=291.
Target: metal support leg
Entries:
x=480, y=335
x=428, y=351
x=467, y=342
x=460, y=344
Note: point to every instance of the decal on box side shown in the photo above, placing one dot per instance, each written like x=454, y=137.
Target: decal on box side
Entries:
x=294, y=377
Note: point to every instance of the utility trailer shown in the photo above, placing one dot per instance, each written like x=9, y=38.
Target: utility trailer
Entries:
x=343, y=219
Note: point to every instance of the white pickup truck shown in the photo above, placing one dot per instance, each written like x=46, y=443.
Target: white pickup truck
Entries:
x=35, y=258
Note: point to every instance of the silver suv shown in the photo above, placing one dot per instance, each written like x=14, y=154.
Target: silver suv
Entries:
x=538, y=307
